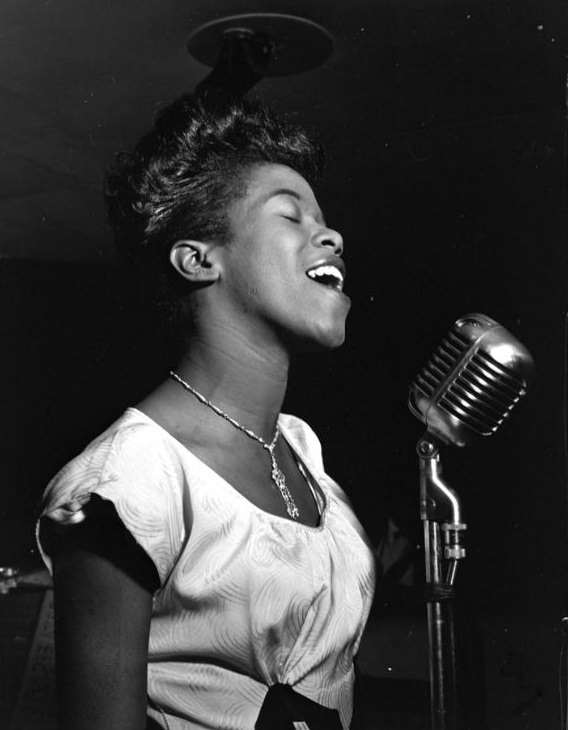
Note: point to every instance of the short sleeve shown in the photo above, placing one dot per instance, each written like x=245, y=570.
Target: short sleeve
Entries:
x=137, y=471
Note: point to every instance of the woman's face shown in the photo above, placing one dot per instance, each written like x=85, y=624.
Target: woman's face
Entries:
x=282, y=272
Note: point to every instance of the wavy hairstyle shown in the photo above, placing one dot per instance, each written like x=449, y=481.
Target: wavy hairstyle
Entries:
x=180, y=178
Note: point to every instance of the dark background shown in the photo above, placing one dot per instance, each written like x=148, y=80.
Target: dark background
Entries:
x=446, y=127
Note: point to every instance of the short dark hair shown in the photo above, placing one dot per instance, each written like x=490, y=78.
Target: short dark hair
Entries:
x=180, y=178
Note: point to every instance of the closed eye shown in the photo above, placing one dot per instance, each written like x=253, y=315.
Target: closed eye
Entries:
x=291, y=218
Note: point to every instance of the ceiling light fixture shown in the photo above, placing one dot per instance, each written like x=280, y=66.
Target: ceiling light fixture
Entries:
x=242, y=49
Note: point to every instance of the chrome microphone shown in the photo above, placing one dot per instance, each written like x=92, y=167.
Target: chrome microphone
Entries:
x=472, y=381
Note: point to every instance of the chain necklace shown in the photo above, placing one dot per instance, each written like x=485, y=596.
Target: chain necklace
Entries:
x=276, y=473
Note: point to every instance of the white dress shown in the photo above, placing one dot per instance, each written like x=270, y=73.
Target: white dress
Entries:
x=247, y=598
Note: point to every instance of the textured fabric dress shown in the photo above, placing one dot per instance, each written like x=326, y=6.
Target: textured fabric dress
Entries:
x=247, y=599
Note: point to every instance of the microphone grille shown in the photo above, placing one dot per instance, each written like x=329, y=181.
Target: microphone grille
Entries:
x=476, y=376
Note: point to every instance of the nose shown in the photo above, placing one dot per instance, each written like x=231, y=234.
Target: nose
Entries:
x=331, y=239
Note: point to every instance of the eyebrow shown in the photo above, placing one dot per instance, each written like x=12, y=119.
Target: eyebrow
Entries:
x=282, y=191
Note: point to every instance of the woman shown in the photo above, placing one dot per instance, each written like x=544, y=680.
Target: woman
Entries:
x=200, y=553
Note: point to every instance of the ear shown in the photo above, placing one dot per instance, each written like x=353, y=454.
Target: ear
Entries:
x=191, y=260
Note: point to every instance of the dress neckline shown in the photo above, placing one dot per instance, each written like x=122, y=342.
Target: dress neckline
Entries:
x=322, y=500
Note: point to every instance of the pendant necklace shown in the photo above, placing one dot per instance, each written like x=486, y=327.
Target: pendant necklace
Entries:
x=276, y=473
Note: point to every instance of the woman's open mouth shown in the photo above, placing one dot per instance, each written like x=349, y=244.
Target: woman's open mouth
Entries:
x=327, y=275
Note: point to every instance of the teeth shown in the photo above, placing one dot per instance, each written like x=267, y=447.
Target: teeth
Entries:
x=327, y=274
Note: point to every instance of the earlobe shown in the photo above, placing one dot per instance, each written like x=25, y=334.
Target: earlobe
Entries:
x=191, y=260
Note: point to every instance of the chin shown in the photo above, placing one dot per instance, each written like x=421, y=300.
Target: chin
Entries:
x=322, y=341
x=333, y=341
x=316, y=334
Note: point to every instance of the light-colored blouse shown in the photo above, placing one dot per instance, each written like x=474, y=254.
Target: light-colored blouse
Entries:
x=247, y=598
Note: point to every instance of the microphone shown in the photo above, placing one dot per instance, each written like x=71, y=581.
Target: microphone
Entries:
x=472, y=381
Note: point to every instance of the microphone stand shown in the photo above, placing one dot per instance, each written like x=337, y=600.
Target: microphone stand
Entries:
x=443, y=535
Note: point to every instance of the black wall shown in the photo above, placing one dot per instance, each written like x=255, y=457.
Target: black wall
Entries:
x=455, y=203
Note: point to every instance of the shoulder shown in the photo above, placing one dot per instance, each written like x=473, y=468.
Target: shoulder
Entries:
x=136, y=466
x=307, y=444
x=302, y=436
x=131, y=450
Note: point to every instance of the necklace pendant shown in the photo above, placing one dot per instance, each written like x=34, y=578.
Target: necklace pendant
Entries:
x=280, y=481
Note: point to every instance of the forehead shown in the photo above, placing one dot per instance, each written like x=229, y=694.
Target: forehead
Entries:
x=269, y=181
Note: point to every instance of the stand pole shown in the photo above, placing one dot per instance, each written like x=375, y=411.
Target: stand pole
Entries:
x=443, y=534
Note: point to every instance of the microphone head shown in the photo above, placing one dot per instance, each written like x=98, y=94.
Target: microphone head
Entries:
x=472, y=381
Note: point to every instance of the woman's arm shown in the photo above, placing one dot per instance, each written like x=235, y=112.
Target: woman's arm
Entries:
x=103, y=600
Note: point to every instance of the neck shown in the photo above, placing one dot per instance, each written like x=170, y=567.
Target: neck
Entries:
x=246, y=382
